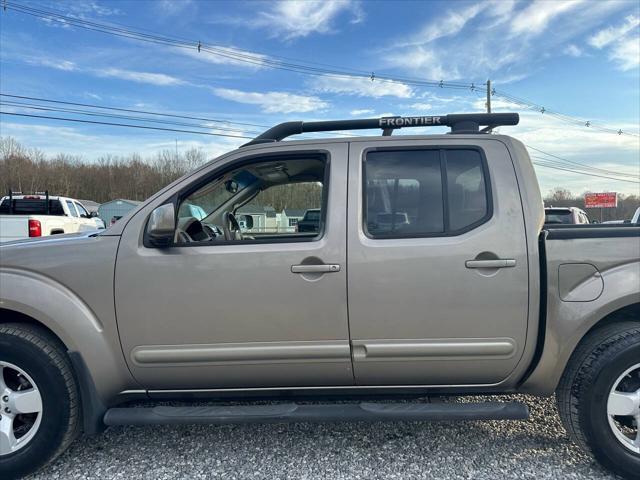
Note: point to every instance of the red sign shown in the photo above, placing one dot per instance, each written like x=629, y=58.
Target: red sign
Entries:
x=601, y=200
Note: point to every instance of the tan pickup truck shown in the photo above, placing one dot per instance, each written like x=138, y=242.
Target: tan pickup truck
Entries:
x=430, y=273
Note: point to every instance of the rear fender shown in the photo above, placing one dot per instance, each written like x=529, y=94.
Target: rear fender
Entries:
x=569, y=321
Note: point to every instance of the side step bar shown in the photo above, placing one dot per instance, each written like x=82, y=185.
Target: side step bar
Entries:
x=291, y=412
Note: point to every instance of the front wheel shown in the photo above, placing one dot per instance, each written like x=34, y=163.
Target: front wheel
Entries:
x=599, y=397
x=39, y=412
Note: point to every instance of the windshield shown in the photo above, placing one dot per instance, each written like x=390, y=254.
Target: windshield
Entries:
x=206, y=200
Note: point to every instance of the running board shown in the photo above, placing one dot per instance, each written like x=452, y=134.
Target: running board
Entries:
x=291, y=412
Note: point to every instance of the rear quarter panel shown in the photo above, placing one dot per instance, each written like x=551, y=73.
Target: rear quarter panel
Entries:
x=587, y=296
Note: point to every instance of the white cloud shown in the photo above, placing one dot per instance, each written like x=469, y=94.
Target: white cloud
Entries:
x=172, y=7
x=452, y=23
x=626, y=53
x=622, y=42
x=227, y=56
x=573, y=51
x=425, y=60
x=610, y=34
x=140, y=77
x=362, y=87
x=421, y=106
x=274, y=102
x=299, y=18
x=360, y=112
x=64, y=65
x=500, y=40
x=535, y=18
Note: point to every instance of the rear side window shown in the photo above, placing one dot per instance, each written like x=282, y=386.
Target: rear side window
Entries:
x=560, y=216
x=30, y=206
x=423, y=193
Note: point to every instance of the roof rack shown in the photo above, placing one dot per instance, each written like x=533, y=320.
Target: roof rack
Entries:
x=459, y=123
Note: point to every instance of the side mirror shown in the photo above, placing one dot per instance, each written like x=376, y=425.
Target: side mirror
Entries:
x=93, y=214
x=246, y=221
x=161, y=226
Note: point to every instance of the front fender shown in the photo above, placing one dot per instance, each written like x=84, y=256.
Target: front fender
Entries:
x=66, y=284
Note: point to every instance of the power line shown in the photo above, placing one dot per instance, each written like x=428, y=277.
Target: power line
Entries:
x=117, y=116
x=546, y=161
x=173, y=115
x=123, y=125
x=542, y=164
x=584, y=173
x=613, y=176
x=568, y=165
x=529, y=105
x=233, y=54
x=285, y=63
x=589, y=167
x=157, y=114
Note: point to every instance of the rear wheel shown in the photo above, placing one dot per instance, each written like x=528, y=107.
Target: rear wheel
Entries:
x=39, y=413
x=599, y=397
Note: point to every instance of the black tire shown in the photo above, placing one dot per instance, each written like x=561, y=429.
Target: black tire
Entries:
x=584, y=389
x=43, y=358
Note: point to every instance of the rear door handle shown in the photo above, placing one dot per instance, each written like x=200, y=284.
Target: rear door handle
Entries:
x=323, y=268
x=493, y=263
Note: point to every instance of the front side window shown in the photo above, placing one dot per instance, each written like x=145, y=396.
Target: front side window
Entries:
x=420, y=193
x=72, y=209
x=261, y=201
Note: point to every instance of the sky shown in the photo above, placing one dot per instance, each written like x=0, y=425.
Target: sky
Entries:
x=578, y=57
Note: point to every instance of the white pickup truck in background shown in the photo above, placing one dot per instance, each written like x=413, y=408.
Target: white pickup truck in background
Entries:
x=23, y=216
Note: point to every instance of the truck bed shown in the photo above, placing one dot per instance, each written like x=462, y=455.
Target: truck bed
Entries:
x=584, y=260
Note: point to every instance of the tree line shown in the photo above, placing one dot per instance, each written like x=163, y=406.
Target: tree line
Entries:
x=133, y=177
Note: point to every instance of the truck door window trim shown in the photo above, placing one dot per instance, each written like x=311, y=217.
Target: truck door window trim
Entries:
x=448, y=232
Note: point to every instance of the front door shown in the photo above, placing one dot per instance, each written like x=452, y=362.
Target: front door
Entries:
x=257, y=305
x=438, y=274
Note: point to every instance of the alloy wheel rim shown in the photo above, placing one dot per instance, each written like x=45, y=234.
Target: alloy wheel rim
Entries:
x=20, y=408
x=623, y=408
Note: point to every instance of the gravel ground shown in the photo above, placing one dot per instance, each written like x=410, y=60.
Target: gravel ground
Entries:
x=533, y=449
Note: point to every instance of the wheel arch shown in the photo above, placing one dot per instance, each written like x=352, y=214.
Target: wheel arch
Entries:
x=33, y=298
x=558, y=350
x=92, y=411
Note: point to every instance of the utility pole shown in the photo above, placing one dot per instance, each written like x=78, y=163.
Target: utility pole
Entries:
x=489, y=130
x=488, y=96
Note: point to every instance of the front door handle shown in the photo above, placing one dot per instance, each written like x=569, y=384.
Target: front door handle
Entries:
x=322, y=268
x=493, y=263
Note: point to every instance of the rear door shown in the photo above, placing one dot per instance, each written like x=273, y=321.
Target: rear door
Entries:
x=438, y=274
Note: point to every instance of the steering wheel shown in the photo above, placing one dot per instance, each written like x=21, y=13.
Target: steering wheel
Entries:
x=231, y=227
x=190, y=229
